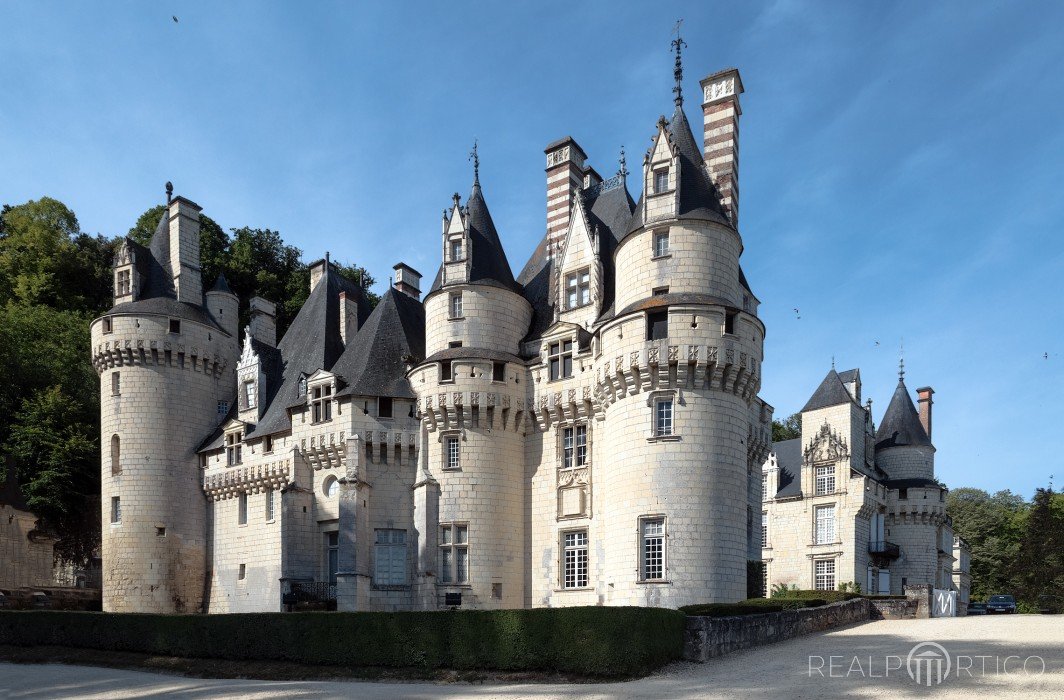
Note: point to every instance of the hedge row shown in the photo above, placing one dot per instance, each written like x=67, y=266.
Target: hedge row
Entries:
x=591, y=641
x=829, y=596
x=752, y=606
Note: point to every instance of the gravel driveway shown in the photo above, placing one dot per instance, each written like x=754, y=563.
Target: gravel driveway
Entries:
x=866, y=660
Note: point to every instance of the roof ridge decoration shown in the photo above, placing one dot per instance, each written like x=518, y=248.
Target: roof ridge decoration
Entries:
x=678, y=43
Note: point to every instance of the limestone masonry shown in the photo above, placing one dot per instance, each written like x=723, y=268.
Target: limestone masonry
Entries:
x=587, y=432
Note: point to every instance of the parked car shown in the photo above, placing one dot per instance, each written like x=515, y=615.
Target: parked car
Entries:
x=1001, y=604
x=977, y=608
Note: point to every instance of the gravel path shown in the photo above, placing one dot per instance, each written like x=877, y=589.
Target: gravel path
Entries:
x=990, y=652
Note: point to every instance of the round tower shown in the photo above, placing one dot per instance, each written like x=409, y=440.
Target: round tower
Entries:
x=166, y=378
x=471, y=389
x=903, y=447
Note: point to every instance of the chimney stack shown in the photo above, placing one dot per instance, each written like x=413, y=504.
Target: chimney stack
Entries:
x=924, y=393
x=720, y=112
x=263, y=325
x=317, y=271
x=565, y=176
x=183, y=217
x=348, y=317
x=407, y=280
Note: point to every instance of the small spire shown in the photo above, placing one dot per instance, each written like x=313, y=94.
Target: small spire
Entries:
x=623, y=172
x=475, y=157
x=833, y=362
x=678, y=44
x=326, y=260
x=901, y=362
x=169, y=191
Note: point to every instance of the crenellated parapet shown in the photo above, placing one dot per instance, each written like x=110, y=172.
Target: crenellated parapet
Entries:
x=456, y=409
x=256, y=479
x=122, y=352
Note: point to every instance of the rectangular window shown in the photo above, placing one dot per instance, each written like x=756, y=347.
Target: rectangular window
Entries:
x=825, y=480
x=657, y=325
x=389, y=558
x=242, y=509
x=332, y=556
x=123, y=286
x=108, y=327
x=175, y=325
x=764, y=486
x=729, y=322
x=249, y=394
x=560, y=359
x=269, y=505
x=578, y=289
x=661, y=244
x=452, y=453
x=663, y=417
x=574, y=559
x=824, y=574
x=116, y=509
x=825, y=524
x=233, y=444
x=267, y=444
x=660, y=291
x=223, y=409
x=652, y=555
x=116, y=383
x=321, y=403
x=764, y=528
x=574, y=446
x=384, y=407
x=242, y=572
x=456, y=305
x=445, y=371
x=456, y=250
x=454, y=553
x=903, y=494
x=498, y=371
x=661, y=180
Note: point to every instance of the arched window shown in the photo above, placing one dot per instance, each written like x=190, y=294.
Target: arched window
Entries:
x=116, y=456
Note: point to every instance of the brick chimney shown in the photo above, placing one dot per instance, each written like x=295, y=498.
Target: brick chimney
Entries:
x=720, y=112
x=183, y=217
x=924, y=393
x=565, y=176
x=263, y=324
x=407, y=280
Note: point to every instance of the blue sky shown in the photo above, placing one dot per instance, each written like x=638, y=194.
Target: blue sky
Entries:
x=900, y=162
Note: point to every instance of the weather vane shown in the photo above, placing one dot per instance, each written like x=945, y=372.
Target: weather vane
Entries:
x=473, y=156
x=678, y=44
x=624, y=164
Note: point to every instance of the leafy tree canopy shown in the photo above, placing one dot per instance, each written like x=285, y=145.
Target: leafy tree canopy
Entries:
x=787, y=429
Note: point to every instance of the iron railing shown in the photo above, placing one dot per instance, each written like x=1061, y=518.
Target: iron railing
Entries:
x=884, y=548
x=313, y=591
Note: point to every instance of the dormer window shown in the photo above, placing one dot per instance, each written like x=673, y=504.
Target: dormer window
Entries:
x=560, y=359
x=233, y=443
x=249, y=394
x=321, y=403
x=302, y=388
x=456, y=250
x=123, y=283
x=661, y=180
x=578, y=288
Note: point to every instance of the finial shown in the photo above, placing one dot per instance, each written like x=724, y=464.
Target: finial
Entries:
x=901, y=362
x=832, y=362
x=623, y=172
x=457, y=198
x=677, y=72
x=473, y=156
x=326, y=260
x=169, y=191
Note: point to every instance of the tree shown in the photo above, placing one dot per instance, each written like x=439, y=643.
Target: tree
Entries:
x=1039, y=565
x=787, y=429
x=991, y=525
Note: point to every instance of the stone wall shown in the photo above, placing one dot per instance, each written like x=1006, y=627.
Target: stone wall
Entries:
x=25, y=553
x=708, y=637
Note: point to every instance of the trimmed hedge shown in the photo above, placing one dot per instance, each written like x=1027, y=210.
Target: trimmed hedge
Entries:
x=829, y=596
x=591, y=641
x=752, y=606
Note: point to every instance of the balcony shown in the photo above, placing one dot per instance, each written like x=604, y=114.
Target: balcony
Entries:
x=310, y=595
x=885, y=549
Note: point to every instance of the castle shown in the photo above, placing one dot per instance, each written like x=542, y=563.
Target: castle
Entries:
x=587, y=432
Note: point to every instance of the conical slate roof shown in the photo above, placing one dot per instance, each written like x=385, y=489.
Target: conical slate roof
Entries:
x=901, y=423
x=221, y=284
x=489, y=264
x=831, y=392
x=373, y=363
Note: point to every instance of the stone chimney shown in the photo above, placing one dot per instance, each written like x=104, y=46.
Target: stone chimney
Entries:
x=348, y=317
x=407, y=280
x=565, y=176
x=720, y=113
x=924, y=393
x=183, y=216
x=263, y=325
x=317, y=271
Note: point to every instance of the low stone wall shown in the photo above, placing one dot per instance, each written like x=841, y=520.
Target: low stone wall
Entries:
x=709, y=637
x=893, y=608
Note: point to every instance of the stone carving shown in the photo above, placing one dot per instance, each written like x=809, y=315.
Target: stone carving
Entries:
x=826, y=445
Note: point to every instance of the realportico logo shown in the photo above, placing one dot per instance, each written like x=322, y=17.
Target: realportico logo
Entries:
x=927, y=664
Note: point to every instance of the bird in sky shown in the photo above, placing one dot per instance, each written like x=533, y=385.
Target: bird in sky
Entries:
x=175, y=18
x=797, y=315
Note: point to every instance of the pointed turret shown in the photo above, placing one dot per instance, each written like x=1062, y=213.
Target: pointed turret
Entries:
x=901, y=423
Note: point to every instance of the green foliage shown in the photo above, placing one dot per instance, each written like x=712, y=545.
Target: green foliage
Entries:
x=830, y=596
x=787, y=429
x=783, y=590
x=751, y=606
x=591, y=641
x=991, y=525
x=1039, y=565
x=850, y=586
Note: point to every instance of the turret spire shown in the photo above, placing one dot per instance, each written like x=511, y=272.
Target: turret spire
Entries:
x=678, y=44
x=473, y=156
x=623, y=172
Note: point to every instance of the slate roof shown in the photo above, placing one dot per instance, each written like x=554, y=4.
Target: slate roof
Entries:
x=848, y=376
x=373, y=362
x=221, y=284
x=311, y=343
x=464, y=353
x=901, y=423
x=489, y=264
x=911, y=483
x=699, y=198
x=831, y=392
x=789, y=457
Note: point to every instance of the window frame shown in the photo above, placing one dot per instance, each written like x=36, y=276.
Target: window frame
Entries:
x=116, y=510
x=383, y=401
x=270, y=510
x=250, y=394
x=764, y=529
x=116, y=454
x=123, y=283
x=449, y=549
x=662, y=557
x=234, y=444
x=242, y=508
x=664, y=421
x=174, y=325
x=824, y=479
x=452, y=460
x=575, y=571
x=498, y=372
x=574, y=445
x=660, y=180
x=560, y=359
x=455, y=250
x=578, y=289
x=823, y=536
x=321, y=400
x=828, y=577
x=391, y=553
x=653, y=319
x=116, y=383
x=455, y=306
x=657, y=249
